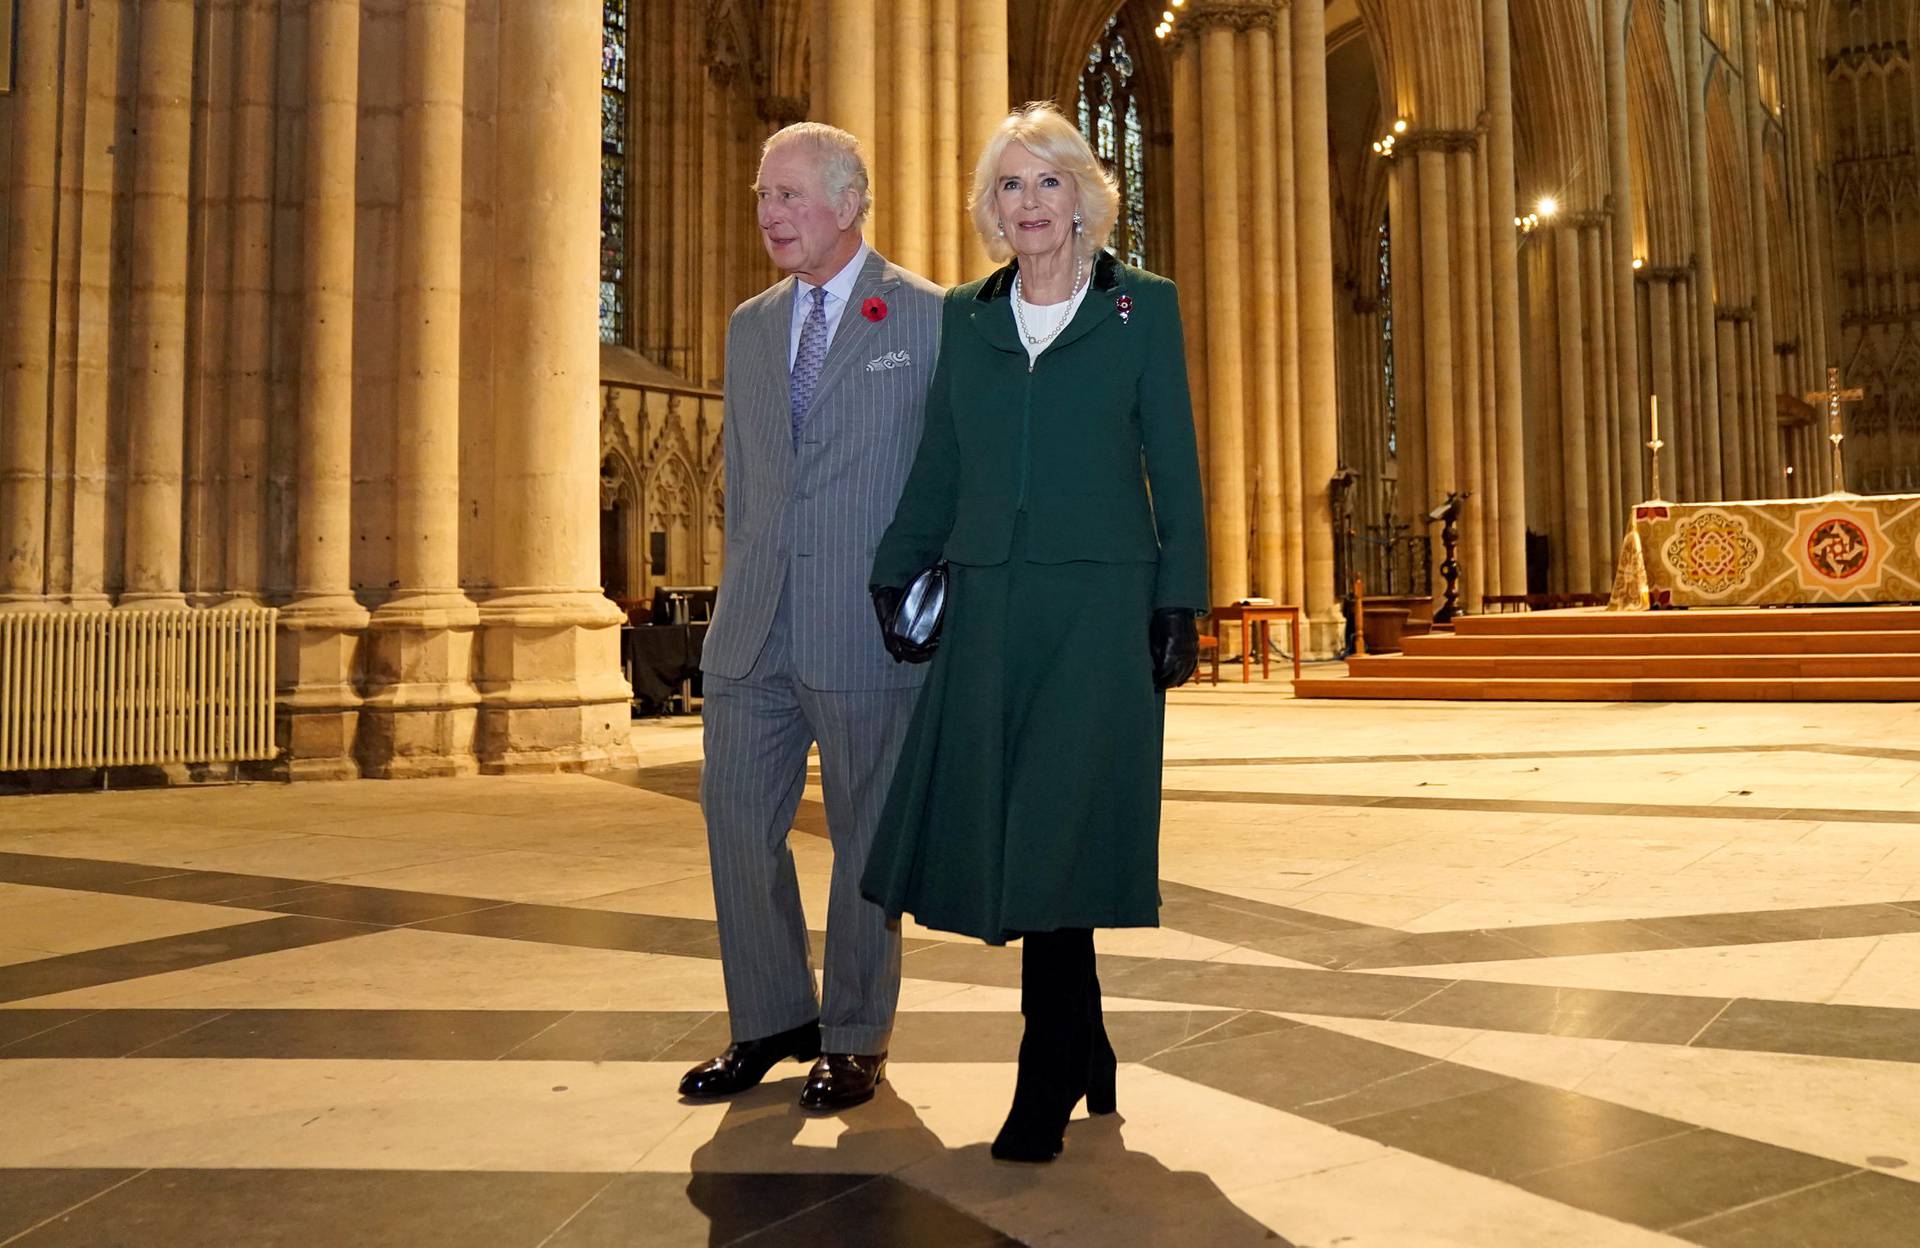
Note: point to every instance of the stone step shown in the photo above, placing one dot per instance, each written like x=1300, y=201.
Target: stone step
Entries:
x=1694, y=689
x=1727, y=620
x=1635, y=666
x=1835, y=641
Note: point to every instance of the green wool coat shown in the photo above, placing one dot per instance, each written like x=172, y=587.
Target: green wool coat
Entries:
x=1065, y=497
x=1066, y=440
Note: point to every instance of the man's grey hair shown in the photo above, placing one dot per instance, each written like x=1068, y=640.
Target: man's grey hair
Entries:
x=843, y=166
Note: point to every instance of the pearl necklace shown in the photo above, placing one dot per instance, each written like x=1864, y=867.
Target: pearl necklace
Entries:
x=1020, y=317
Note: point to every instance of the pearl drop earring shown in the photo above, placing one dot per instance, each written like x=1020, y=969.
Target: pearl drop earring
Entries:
x=1076, y=223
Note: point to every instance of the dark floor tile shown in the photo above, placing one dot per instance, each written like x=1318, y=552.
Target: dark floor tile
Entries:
x=29, y=1197
x=1563, y=940
x=1880, y=1033
x=50, y=871
x=388, y=907
x=105, y=1033
x=1773, y=926
x=624, y=1036
x=16, y=1025
x=366, y=1035
x=1440, y=949
x=1294, y=990
x=1323, y=1075
x=1592, y=1013
x=301, y=1208
x=585, y=929
x=1514, y=1130
x=675, y=1210
x=1239, y=1027
x=954, y=962
x=139, y=959
x=1239, y=920
x=1863, y=1210
x=210, y=888
x=1681, y=1178
x=884, y=1213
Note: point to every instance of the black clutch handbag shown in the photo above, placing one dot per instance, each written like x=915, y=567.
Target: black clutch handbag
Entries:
x=923, y=606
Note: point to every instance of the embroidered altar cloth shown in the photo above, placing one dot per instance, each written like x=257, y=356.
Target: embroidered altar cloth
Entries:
x=1833, y=549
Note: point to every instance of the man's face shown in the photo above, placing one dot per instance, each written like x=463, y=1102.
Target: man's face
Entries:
x=802, y=226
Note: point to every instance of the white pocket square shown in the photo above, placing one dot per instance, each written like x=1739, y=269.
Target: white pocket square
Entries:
x=892, y=359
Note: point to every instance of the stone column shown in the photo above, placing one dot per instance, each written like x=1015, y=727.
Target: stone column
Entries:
x=1403, y=200
x=1189, y=239
x=248, y=344
x=1226, y=355
x=1732, y=478
x=1293, y=522
x=848, y=83
x=26, y=307
x=321, y=626
x=1818, y=289
x=1464, y=185
x=421, y=704
x=1436, y=323
x=1600, y=500
x=1487, y=472
x=1620, y=168
x=1766, y=372
x=1270, y=556
x=157, y=312
x=1694, y=86
x=951, y=165
x=910, y=173
x=1508, y=386
x=1318, y=396
x=1575, y=549
x=550, y=683
x=983, y=92
x=1660, y=341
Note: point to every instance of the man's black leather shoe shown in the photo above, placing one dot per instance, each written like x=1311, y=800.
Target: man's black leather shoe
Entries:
x=746, y=1062
x=842, y=1080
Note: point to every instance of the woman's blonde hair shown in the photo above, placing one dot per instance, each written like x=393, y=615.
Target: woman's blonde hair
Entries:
x=1041, y=129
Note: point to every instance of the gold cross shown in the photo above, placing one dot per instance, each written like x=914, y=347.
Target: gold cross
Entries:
x=1833, y=396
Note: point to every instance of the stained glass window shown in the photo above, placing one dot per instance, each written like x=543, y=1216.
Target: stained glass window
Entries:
x=613, y=171
x=1109, y=115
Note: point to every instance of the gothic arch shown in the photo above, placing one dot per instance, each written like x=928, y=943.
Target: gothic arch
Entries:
x=1559, y=116
x=1659, y=150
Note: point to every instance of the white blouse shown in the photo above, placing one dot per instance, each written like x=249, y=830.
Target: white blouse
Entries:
x=1042, y=319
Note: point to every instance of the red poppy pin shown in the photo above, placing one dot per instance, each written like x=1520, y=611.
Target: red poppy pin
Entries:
x=874, y=309
x=1124, y=306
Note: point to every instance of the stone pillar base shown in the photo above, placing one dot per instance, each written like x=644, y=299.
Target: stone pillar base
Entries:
x=1321, y=638
x=421, y=708
x=552, y=697
x=317, y=659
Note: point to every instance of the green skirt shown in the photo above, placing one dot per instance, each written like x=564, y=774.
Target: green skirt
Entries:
x=1027, y=797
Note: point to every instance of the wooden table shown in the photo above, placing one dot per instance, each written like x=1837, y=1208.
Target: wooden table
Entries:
x=1261, y=618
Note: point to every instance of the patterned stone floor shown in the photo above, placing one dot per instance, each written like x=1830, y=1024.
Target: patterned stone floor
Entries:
x=1461, y=975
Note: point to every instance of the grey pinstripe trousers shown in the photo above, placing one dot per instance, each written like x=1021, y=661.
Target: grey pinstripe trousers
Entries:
x=757, y=732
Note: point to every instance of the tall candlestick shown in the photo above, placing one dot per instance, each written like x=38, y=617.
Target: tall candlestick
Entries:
x=1654, y=444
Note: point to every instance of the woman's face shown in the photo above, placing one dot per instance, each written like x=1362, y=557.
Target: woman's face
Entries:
x=1034, y=203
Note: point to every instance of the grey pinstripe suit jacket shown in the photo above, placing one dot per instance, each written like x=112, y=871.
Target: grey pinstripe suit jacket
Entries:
x=808, y=522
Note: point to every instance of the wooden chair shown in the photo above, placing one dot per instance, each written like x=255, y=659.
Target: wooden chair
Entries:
x=1210, y=647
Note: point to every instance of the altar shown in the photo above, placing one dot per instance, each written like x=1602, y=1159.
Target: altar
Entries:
x=1838, y=548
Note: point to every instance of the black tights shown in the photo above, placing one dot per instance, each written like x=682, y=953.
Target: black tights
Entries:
x=1064, y=1053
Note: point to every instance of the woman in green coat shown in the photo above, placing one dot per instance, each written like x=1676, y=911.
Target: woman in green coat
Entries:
x=1058, y=478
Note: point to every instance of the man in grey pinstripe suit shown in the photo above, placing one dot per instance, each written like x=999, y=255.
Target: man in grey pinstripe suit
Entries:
x=827, y=375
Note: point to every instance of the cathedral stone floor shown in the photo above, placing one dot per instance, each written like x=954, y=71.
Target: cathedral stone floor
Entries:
x=1462, y=975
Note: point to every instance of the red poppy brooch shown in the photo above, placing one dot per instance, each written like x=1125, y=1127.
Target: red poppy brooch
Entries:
x=874, y=309
x=1124, y=306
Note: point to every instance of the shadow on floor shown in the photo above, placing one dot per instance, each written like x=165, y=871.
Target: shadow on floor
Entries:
x=887, y=1180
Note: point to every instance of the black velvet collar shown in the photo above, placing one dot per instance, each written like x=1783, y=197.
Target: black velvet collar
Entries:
x=1106, y=276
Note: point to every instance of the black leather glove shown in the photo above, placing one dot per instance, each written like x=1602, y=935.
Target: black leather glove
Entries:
x=1173, y=638
x=886, y=604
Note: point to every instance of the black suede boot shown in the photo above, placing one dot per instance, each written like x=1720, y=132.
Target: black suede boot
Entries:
x=1102, y=1067
x=1053, y=1050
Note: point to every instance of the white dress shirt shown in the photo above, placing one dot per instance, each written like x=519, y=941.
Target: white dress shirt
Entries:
x=839, y=292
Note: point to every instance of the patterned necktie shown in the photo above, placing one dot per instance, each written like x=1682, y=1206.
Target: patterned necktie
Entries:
x=808, y=360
